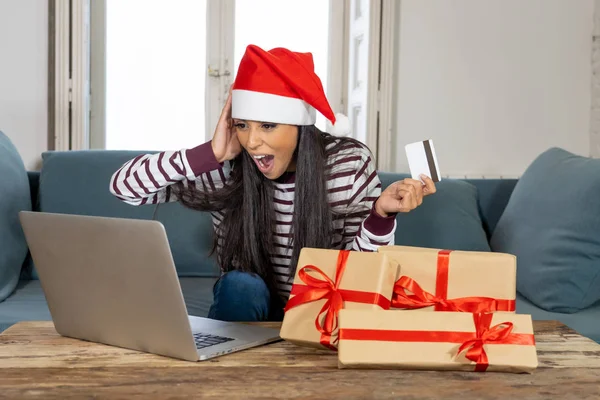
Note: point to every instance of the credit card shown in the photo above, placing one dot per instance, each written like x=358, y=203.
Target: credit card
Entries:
x=422, y=160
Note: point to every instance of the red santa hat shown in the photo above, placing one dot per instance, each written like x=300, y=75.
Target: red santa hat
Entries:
x=281, y=86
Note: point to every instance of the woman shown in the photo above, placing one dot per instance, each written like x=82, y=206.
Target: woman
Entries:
x=288, y=184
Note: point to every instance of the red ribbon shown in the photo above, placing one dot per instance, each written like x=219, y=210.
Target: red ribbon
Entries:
x=420, y=298
x=323, y=287
x=498, y=334
x=471, y=342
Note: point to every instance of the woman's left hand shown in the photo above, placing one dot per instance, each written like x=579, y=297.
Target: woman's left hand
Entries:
x=404, y=196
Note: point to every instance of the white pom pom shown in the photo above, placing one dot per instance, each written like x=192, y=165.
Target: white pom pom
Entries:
x=341, y=126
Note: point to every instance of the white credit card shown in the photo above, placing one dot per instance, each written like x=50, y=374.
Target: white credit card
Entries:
x=422, y=160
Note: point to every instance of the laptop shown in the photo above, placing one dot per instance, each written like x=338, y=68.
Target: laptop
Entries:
x=113, y=281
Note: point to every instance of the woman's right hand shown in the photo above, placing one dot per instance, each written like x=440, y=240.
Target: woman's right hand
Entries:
x=225, y=143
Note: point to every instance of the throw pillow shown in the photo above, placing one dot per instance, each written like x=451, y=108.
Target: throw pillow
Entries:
x=552, y=224
x=14, y=197
x=449, y=219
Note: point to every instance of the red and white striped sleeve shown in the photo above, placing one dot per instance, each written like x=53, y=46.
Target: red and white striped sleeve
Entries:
x=375, y=230
x=147, y=179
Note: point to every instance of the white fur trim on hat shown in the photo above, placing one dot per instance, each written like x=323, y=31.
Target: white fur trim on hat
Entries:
x=258, y=106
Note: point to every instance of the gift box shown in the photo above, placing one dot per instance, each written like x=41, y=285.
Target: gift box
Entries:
x=398, y=339
x=327, y=281
x=445, y=280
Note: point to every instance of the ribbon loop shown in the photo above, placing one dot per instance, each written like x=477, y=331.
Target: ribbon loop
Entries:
x=317, y=289
x=419, y=299
x=319, y=286
x=322, y=287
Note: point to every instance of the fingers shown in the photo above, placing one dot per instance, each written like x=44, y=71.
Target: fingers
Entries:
x=405, y=188
x=407, y=194
x=429, y=185
x=417, y=186
x=225, y=117
x=227, y=107
x=407, y=201
x=407, y=198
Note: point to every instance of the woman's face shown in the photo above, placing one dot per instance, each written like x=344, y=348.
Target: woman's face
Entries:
x=271, y=145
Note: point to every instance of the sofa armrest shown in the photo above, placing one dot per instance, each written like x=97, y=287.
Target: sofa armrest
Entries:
x=34, y=186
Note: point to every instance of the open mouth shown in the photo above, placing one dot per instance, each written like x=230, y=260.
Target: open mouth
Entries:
x=264, y=162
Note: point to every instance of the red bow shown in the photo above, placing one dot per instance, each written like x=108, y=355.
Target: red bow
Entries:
x=323, y=287
x=484, y=334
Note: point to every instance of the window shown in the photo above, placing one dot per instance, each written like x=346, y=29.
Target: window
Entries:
x=159, y=71
x=156, y=67
x=155, y=74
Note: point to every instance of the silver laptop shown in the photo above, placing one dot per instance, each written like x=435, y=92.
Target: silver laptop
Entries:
x=113, y=281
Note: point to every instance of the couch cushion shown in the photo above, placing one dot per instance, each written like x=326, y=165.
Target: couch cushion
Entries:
x=29, y=304
x=14, y=197
x=198, y=295
x=552, y=225
x=586, y=322
x=449, y=219
x=77, y=182
x=26, y=304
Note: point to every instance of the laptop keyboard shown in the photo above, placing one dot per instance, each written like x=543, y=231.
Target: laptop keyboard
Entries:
x=205, y=340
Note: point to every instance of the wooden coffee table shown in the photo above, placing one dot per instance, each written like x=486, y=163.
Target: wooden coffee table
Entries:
x=35, y=362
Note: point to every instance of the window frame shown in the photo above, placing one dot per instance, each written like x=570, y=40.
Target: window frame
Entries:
x=69, y=74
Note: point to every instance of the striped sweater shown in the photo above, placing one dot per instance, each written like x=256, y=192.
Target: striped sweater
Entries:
x=353, y=185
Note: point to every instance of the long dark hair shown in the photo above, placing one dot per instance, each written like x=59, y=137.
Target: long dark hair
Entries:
x=244, y=239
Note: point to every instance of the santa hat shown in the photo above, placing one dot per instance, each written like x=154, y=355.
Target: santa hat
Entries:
x=280, y=86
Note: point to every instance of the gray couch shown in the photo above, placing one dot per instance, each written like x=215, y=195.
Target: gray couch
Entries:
x=462, y=215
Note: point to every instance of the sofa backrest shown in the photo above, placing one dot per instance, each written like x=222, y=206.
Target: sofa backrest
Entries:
x=493, y=198
x=77, y=182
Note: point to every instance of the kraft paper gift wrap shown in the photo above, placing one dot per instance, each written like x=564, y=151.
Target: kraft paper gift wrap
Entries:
x=418, y=340
x=444, y=280
x=329, y=280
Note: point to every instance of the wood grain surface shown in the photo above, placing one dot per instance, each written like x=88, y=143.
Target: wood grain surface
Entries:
x=35, y=362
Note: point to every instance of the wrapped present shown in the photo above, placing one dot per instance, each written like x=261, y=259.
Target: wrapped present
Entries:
x=445, y=280
x=397, y=339
x=327, y=281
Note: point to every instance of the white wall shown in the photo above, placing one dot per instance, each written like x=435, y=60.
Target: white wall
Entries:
x=595, y=119
x=494, y=82
x=24, y=76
